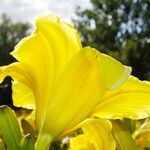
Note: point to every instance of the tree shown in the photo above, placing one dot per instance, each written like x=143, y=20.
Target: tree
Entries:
x=119, y=28
x=10, y=34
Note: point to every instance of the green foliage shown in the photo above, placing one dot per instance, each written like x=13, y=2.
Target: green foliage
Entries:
x=10, y=34
x=9, y=128
x=119, y=28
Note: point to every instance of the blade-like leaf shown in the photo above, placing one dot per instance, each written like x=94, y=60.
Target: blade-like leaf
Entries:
x=9, y=128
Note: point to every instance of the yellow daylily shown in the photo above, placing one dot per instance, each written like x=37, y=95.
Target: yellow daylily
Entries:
x=96, y=136
x=64, y=81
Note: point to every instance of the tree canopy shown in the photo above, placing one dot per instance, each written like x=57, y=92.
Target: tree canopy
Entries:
x=120, y=28
x=10, y=34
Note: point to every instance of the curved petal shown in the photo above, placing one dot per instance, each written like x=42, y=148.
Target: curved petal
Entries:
x=16, y=71
x=99, y=133
x=131, y=100
x=113, y=73
x=22, y=95
x=81, y=142
x=96, y=136
x=22, y=86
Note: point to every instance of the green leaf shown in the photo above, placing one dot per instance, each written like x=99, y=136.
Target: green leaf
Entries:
x=9, y=128
x=122, y=137
x=27, y=143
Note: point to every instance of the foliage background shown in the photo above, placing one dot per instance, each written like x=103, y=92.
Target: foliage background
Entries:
x=120, y=28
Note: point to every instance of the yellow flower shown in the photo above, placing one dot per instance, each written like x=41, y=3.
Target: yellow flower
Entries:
x=65, y=82
x=96, y=136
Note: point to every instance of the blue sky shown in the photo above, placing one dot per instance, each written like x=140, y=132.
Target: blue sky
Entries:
x=27, y=10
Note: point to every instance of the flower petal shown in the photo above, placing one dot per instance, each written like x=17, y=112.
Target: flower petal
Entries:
x=113, y=73
x=99, y=133
x=131, y=100
x=96, y=136
x=81, y=142
x=22, y=87
x=16, y=71
x=22, y=95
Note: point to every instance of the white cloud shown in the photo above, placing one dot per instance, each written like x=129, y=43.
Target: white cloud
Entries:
x=27, y=10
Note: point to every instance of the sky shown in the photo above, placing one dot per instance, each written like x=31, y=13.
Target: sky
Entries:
x=27, y=10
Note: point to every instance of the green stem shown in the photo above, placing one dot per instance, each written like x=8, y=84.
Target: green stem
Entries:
x=43, y=142
x=122, y=137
